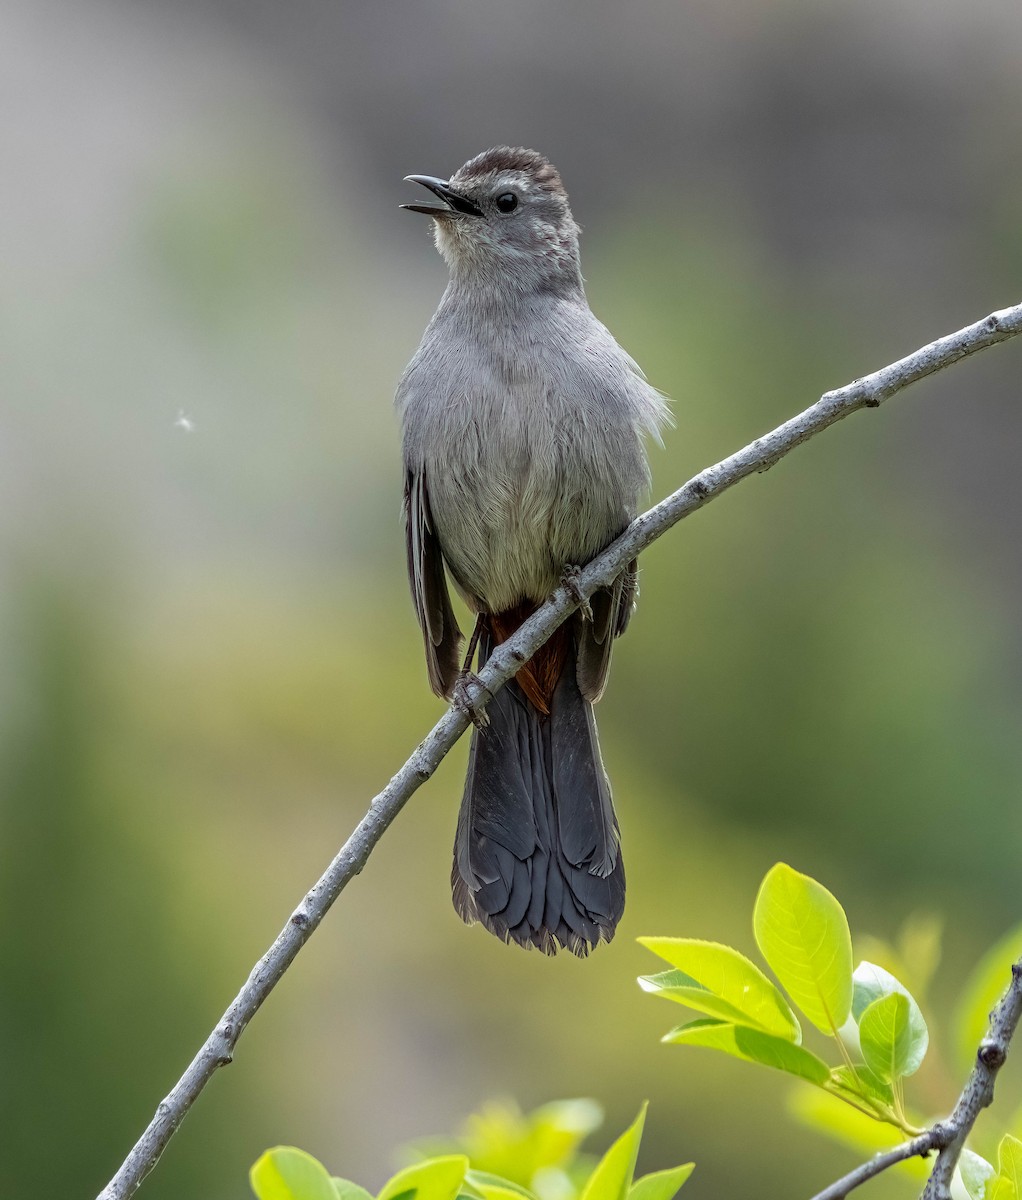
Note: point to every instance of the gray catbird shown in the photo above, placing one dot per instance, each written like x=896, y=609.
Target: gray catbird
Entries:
x=523, y=425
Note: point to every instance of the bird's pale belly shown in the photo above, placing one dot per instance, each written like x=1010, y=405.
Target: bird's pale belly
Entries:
x=510, y=538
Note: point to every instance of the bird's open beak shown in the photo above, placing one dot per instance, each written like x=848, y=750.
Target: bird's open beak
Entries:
x=454, y=203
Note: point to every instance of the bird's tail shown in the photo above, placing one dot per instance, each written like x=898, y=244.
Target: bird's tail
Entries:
x=537, y=857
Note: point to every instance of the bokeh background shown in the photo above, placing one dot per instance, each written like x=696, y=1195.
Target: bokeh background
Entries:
x=210, y=662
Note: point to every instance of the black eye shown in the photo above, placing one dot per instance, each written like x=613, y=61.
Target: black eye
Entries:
x=507, y=202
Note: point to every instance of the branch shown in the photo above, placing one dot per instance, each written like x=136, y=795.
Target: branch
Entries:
x=868, y=392
x=978, y=1092
x=921, y=1145
x=948, y=1137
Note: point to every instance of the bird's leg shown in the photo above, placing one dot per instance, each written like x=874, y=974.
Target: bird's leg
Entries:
x=473, y=641
x=569, y=579
x=468, y=686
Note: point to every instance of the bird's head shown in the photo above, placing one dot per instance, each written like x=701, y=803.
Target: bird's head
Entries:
x=504, y=219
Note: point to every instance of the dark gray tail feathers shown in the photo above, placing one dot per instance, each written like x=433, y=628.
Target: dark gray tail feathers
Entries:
x=537, y=857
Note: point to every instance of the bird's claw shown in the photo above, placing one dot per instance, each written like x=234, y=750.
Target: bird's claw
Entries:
x=570, y=580
x=468, y=689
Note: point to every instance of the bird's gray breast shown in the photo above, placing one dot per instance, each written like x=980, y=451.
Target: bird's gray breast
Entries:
x=528, y=462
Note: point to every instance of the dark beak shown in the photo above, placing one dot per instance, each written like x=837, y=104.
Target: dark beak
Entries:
x=454, y=203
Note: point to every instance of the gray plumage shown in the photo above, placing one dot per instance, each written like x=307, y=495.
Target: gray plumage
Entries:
x=523, y=425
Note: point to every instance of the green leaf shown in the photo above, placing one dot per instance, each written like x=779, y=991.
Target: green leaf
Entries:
x=871, y=983
x=557, y=1129
x=683, y=989
x=434, y=1179
x=661, y=1185
x=803, y=934
x=976, y=1174
x=1009, y=1161
x=720, y=982
x=287, y=1173
x=493, y=1187
x=862, y=1085
x=1007, y=1183
x=513, y=1146
x=752, y=1045
x=563, y=1183
x=985, y=987
x=612, y=1178
x=885, y=1037
x=346, y=1190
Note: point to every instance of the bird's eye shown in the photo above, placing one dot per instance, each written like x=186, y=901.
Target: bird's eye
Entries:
x=507, y=202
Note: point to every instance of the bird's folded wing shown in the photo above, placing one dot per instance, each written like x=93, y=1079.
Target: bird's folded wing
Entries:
x=432, y=600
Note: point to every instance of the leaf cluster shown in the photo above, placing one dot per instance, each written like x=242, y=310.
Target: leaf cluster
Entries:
x=287, y=1173
x=983, y=1181
x=541, y=1149
x=876, y=1027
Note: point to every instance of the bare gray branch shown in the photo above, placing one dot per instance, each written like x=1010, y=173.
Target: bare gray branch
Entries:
x=948, y=1137
x=867, y=392
x=921, y=1145
x=978, y=1092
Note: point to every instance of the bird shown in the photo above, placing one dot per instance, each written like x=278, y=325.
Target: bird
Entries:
x=524, y=428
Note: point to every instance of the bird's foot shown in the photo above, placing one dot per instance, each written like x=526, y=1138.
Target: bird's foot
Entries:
x=469, y=689
x=569, y=579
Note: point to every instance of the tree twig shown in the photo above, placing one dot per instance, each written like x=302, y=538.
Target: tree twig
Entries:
x=948, y=1137
x=921, y=1145
x=867, y=392
x=978, y=1092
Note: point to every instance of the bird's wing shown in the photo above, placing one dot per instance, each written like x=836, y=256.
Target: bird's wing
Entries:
x=612, y=608
x=432, y=601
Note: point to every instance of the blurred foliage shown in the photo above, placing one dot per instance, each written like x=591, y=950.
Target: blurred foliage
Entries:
x=96, y=960
x=805, y=610
x=540, y=1148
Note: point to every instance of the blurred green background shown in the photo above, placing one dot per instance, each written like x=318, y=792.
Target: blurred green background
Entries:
x=210, y=659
